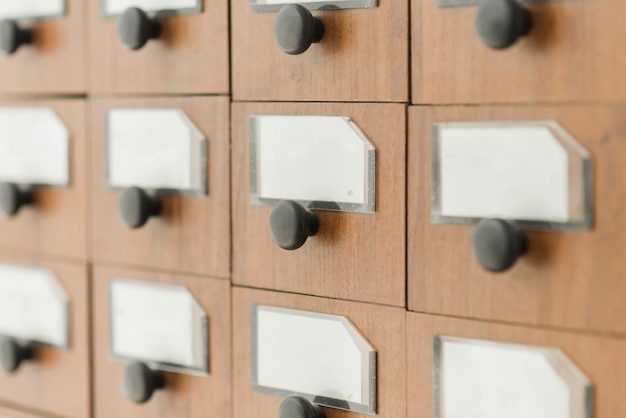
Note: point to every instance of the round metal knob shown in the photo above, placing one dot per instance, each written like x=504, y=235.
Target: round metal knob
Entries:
x=500, y=23
x=497, y=244
x=291, y=224
x=12, y=198
x=136, y=207
x=296, y=29
x=135, y=28
x=298, y=407
x=12, y=36
x=140, y=382
x=12, y=354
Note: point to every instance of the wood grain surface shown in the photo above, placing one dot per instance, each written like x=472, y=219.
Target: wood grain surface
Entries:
x=353, y=256
x=15, y=413
x=184, y=395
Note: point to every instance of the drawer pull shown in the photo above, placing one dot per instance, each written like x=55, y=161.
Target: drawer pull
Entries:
x=136, y=207
x=135, y=28
x=298, y=407
x=140, y=382
x=12, y=198
x=296, y=29
x=497, y=244
x=12, y=354
x=12, y=36
x=500, y=23
x=291, y=224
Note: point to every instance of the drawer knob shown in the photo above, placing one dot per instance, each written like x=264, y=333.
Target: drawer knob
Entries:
x=497, y=244
x=135, y=28
x=140, y=382
x=12, y=36
x=500, y=23
x=136, y=207
x=298, y=407
x=291, y=224
x=12, y=198
x=12, y=354
x=296, y=29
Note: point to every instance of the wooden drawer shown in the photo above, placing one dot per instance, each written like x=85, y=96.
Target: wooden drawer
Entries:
x=351, y=252
x=13, y=413
x=363, y=56
x=595, y=356
x=567, y=55
x=184, y=394
x=381, y=326
x=190, y=55
x=56, y=221
x=192, y=233
x=567, y=278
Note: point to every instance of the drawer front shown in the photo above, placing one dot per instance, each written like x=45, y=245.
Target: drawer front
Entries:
x=190, y=54
x=592, y=356
x=53, y=220
x=351, y=251
x=183, y=394
x=363, y=56
x=191, y=233
x=381, y=326
x=566, y=278
x=12, y=413
x=35, y=382
x=558, y=60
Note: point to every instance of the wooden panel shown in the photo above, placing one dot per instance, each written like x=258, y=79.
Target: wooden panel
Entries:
x=191, y=56
x=362, y=57
x=568, y=56
x=57, y=223
x=57, y=382
x=382, y=326
x=13, y=413
x=192, y=234
x=567, y=279
x=595, y=356
x=184, y=395
x=352, y=254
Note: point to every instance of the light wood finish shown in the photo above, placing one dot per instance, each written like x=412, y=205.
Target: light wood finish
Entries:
x=567, y=279
x=55, y=62
x=56, y=382
x=57, y=223
x=352, y=254
x=192, y=234
x=382, y=326
x=184, y=395
x=14, y=413
x=362, y=57
x=598, y=358
x=191, y=55
x=568, y=56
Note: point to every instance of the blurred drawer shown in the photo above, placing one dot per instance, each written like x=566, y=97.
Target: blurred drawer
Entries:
x=43, y=177
x=312, y=334
x=568, y=55
x=12, y=413
x=177, y=328
x=337, y=175
x=363, y=55
x=189, y=55
x=569, y=209
x=53, y=61
x=172, y=153
x=45, y=336
x=512, y=369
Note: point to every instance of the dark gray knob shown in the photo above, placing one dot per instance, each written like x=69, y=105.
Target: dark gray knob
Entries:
x=140, y=382
x=497, y=244
x=136, y=207
x=12, y=354
x=12, y=36
x=298, y=407
x=12, y=198
x=135, y=28
x=291, y=224
x=296, y=29
x=500, y=23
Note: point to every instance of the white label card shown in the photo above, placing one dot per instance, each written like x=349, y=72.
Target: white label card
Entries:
x=274, y=5
x=31, y=9
x=116, y=7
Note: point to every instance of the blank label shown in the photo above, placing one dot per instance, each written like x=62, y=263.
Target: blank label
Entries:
x=274, y=5
x=115, y=7
x=26, y=9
